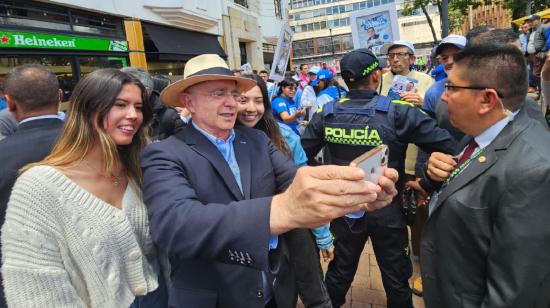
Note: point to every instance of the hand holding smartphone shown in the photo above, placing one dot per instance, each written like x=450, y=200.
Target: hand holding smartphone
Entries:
x=374, y=163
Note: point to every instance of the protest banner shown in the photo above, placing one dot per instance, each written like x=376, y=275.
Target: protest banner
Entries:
x=373, y=27
x=282, y=53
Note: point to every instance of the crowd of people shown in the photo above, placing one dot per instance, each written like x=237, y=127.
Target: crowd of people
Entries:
x=225, y=189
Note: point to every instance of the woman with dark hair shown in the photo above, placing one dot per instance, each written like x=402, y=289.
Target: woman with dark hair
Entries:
x=285, y=109
x=76, y=232
x=254, y=111
x=262, y=119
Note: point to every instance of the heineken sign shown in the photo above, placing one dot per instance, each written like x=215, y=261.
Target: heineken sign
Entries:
x=49, y=41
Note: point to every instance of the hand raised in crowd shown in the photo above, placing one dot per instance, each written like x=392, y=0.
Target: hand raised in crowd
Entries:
x=301, y=112
x=440, y=166
x=327, y=254
x=413, y=98
x=319, y=194
x=421, y=194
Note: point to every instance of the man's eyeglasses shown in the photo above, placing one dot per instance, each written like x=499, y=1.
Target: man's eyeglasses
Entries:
x=221, y=94
x=399, y=55
x=452, y=87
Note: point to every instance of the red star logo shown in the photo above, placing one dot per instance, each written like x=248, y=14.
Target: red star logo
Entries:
x=4, y=39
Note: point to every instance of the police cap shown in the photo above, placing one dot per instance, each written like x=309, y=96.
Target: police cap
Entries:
x=358, y=64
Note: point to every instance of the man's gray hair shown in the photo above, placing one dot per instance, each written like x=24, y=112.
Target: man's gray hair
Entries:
x=141, y=74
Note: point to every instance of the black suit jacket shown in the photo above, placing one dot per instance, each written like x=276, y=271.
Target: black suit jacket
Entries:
x=31, y=142
x=487, y=240
x=216, y=237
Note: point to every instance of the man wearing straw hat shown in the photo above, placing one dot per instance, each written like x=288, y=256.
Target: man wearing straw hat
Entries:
x=221, y=198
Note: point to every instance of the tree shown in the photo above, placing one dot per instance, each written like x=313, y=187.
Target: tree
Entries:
x=412, y=6
x=457, y=10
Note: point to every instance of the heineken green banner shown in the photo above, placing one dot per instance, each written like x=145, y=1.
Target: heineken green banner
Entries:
x=51, y=41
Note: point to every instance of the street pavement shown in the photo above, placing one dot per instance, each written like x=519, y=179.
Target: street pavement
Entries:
x=367, y=290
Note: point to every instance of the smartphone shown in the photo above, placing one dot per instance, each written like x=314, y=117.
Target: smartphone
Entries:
x=374, y=162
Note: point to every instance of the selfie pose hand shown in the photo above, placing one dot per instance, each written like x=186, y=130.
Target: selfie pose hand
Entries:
x=319, y=194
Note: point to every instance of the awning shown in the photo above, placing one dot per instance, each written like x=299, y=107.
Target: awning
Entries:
x=543, y=14
x=174, y=44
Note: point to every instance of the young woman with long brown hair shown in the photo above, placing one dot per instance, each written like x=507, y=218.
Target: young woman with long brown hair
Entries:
x=76, y=231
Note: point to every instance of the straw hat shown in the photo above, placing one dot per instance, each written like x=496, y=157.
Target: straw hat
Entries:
x=202, y=68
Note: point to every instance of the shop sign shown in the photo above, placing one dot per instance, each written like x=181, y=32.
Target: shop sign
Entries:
x=49, y=41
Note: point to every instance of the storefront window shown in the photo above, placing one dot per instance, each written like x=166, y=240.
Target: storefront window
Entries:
x=171, y=69
x=37, y=15
x=60, y=66
x=92, y=23
x=90, y=64
x=52, y=17
x=302, y=48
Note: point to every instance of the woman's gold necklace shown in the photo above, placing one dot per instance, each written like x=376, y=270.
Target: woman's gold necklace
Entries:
x=115, y=179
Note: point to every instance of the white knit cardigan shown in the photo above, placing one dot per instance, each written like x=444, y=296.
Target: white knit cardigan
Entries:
x=64, y=247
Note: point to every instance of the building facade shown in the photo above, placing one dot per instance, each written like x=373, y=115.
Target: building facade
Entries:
x=74, y=37
x=250, y=31
x=70, y=42
x=323, y=32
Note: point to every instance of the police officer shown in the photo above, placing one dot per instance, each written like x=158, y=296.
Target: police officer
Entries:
x=349, y=127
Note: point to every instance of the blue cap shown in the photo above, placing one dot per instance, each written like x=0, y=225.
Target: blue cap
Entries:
x=322, y=75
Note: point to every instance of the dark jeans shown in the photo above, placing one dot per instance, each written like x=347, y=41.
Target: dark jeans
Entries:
x=391, y=248
x=304, y=259
x=416, y=229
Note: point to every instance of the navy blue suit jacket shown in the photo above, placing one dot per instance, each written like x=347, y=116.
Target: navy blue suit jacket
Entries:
x=31, y=142
x=216, y=238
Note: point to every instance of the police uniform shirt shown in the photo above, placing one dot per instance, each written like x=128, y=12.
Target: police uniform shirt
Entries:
x=361, y=122
x=369, y=124
x=402, y=123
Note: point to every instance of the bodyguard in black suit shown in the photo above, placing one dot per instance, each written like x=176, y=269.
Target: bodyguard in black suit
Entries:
x=33, y=95
x=486, y=241
x=218, y=200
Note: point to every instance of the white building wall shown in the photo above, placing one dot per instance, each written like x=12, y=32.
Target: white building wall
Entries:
x=269, y=23
x=253, y=25
x=172, y=10
x=417, y=30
